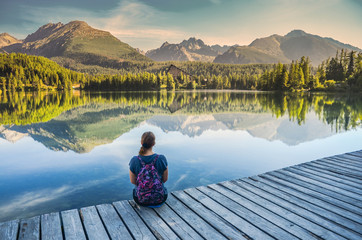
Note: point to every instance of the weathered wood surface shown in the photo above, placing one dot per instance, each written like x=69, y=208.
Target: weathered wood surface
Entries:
x=321, y=199
x=135, y=224
x=9, y=230
x=72, y=225
x=93, y=224
x=51, y=227
x=30, y=228
x=113, y=223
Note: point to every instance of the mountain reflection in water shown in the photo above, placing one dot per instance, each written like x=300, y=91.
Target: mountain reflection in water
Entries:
x=69, y=150
x=81, y=121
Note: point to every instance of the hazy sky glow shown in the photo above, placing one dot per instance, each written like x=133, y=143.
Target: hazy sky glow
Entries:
x=148, y=23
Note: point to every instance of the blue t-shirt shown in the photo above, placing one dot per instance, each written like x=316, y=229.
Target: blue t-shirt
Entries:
x=161, y=163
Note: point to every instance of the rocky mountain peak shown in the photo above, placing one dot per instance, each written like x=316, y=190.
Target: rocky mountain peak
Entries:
x=192, y=49
x=284, y=49
x=6, y=40
x=193, y=43
x=296, y=33
x=43, y=32
x=5, y=34
x=165, y=44
x=78, y=23
x=75, y=40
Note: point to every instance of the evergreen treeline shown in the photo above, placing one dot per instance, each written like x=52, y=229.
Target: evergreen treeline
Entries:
x=25, y=72
x=344, y=71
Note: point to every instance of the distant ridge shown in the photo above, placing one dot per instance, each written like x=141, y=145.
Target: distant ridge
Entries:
x=188, y=50
x=77, y=44
x=292, y=46
x=76, y=40
x=6, y=40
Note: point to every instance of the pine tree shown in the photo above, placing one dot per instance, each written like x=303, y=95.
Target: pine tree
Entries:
x=350, y=69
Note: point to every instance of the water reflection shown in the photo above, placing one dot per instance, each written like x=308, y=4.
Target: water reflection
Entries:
x=81, y=121
x=61, y=151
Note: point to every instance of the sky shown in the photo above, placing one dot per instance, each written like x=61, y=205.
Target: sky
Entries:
x=146, y=24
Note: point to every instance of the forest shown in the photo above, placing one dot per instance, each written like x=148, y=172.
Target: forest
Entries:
x=344, y=71
x=21, y=72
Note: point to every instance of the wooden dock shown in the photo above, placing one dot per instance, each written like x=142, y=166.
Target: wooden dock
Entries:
x=321, y=199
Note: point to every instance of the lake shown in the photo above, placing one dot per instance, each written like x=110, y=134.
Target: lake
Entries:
x=69, y=150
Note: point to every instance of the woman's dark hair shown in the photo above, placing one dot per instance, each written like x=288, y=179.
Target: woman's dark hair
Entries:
x=148, y=141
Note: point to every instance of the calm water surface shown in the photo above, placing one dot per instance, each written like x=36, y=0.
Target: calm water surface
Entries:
x=70, y=150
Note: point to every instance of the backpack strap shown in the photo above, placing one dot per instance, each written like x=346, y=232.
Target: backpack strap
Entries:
x=154, y=160
x=142, y=162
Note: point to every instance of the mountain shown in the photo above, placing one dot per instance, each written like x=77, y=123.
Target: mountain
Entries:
x=245, y=55
x=82, y=128
x=188, y=50
x=76, y=40
x=85, y=127
x=6, y=40
x=260, y=125
x=284, y=49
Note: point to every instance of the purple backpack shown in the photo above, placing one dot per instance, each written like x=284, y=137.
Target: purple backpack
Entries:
x=149, y=189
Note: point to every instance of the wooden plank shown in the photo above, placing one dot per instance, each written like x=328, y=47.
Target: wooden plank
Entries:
x=177, y=224
x=244, y=213
x=51, y=227
x=155, y=223
x=225, y=228
x=30, y=228
x=338, y=176
x=336, y=172
x=352, y=157
x=356, y=154
x=259, y=209
x=134, y=223
x=113, y=223
x=240, y=223
x=303, y=209
x=324, y=188
x=333, y=164
x=337, y=169
x=322, y=208
x=9, y=230
x=328, y=176
x=310, y=190
x=347, y=160
x=342, y=194
x=355, y=191
x=93, y=224
x=72, y=225
x=196, y=222
x=342, y=165
x=312, y=227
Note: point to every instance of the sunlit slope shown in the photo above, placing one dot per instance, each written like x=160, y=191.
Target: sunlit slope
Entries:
x=76, y=40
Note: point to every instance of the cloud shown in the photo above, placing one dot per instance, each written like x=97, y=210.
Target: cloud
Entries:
x=215, y=1
x=179, y=6
x=179, y=180
x=36, y=198
x=135, y=21
x=148, y=23
x=194, y=161
x=31, y=199
x=131, y=21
